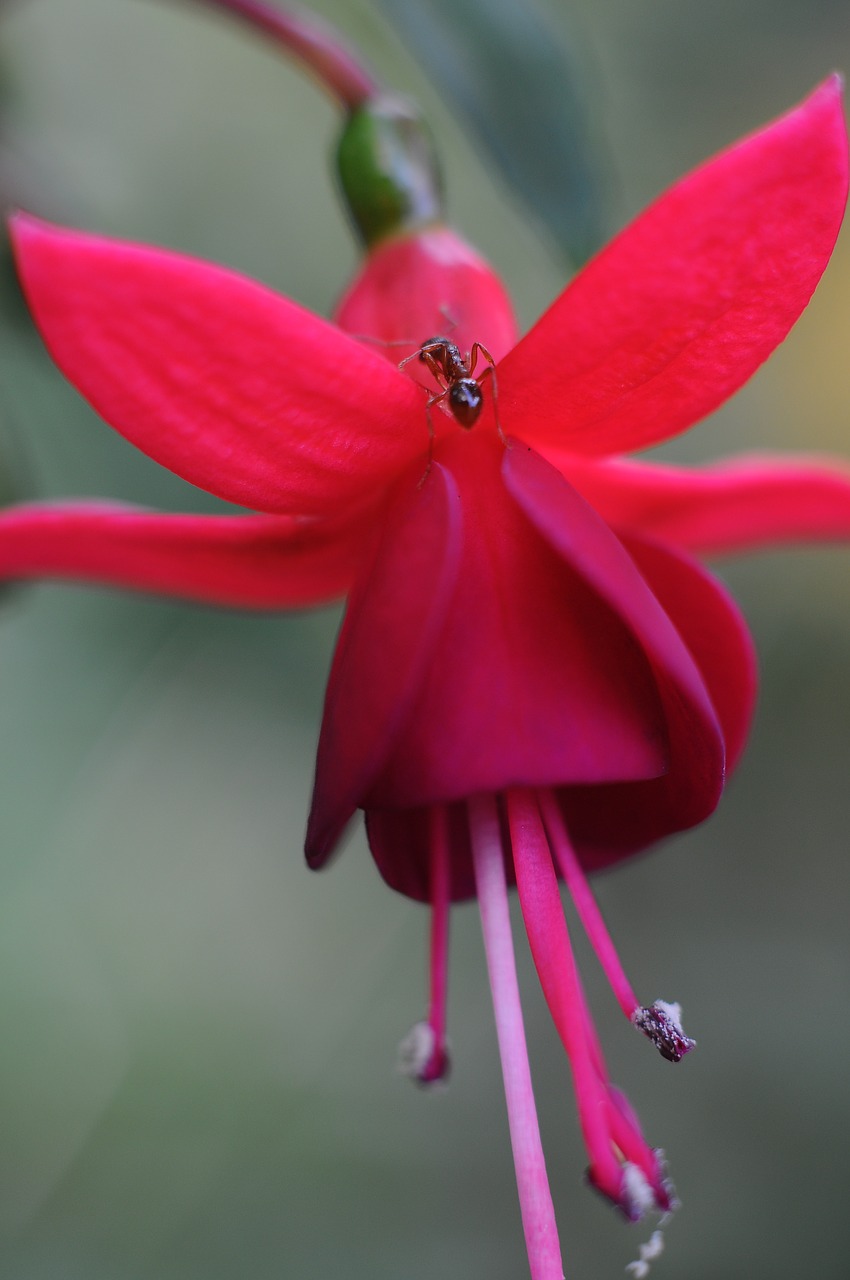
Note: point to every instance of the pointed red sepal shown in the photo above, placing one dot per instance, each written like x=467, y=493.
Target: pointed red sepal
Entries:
x=251, y=562
x=748, y=503
x=226, y=383
x=686, y=303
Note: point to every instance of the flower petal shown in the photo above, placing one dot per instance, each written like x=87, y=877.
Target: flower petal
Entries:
x=473, y=658
x=394, y=613
x=400, y=843
x=532, y=679
x=256, y=562
x=743, y=504
x=607, y=822
x=217, y=378
x=713, y=627
x=686, y=303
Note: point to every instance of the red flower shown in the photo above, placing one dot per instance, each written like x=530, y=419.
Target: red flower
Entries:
x=533, y=677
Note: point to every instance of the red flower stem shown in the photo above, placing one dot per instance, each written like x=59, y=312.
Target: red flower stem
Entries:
x=538, y=1215
x=440, y=887
x=586, y=905
x=314, y=43
x=553, y=957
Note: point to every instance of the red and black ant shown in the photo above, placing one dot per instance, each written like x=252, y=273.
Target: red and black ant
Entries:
x=454, y=374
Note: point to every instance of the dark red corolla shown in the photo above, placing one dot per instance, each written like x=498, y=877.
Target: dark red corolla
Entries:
x=534, y=678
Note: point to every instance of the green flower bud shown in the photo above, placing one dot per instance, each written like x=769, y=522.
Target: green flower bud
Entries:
x=388, y=169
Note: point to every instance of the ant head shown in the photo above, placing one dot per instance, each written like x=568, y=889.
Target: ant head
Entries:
x=465, y=399
x=436, y=346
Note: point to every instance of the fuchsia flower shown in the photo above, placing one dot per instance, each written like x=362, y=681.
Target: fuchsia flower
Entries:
x=534, y=678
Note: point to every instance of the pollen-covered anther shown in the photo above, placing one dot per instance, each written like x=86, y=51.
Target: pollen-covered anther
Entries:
x=637, y=1196
x=636, y=1192
x=661, y=1023
x=420, y=1056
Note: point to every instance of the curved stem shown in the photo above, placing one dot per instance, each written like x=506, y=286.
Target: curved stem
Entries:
x=314, y=43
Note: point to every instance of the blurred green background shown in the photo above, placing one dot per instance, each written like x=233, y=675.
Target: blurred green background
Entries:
x=197, y=1036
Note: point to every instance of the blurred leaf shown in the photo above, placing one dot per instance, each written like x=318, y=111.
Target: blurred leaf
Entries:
x=510, y=74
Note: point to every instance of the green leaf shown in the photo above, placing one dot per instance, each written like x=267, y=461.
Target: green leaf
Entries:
x=509, y=72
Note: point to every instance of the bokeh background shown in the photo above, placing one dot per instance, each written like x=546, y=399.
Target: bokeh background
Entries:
x=197, y=1037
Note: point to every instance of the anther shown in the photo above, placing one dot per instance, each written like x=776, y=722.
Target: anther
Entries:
x=661, y=1023
x=420, y=1057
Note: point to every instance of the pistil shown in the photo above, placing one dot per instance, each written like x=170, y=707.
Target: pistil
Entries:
x=538, y=1216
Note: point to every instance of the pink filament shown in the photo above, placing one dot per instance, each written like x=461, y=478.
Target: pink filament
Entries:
x=553, y=957
x=440, y=886
x=538, y=1215
x=623, y=1128
x=586, y=905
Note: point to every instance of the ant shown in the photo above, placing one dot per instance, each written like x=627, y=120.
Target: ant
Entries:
x=459, y=389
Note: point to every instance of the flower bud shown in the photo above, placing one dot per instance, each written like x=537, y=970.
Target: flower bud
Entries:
x=388, y=169
x=423, y=283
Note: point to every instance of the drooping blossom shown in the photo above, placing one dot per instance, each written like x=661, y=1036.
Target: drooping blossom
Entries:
x=534, y=677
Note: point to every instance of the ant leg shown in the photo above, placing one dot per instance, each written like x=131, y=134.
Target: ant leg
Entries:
x=473, y=355
x=384, y=342
x=431, y=433
x=425, y=353
x=407, y=359
x=491, y=372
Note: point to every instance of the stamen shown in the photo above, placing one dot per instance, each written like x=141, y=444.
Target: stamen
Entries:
x=662, y=1024
x=553, y=958
x=538, y=1216
x=626, y=1133
x=423, y=1053
x=624, y=1127
x=638, y=1198
x=416, y=1053
x=586, y=905
x=659, y=1022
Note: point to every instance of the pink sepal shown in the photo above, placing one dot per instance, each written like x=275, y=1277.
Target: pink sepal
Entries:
x=748, y=503
x=226, y=383
x=253, y=562
x=685, y=304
